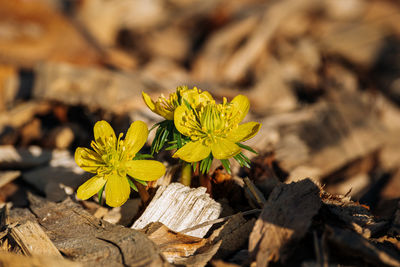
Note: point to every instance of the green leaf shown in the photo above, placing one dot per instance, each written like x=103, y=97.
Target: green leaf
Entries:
x=247, y=148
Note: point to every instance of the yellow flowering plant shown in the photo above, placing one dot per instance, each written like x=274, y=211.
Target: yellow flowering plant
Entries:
x=214, y=131
x=116, y=161
x=165, y=107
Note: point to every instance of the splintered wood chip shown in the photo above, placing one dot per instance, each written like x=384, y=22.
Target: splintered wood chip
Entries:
x=284, y=221
x=33, y=240
x=180, y=207
x=179, y=248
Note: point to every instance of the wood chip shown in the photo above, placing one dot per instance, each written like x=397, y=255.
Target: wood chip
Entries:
x=8, y=176
x=59, y=179
x=180, y=207
x=92, y=241
x=33, y=240
x=15, y=260
x=353, y=244
x=21, y=158
x=284, y=221
x=95, y=88
x=324, y=137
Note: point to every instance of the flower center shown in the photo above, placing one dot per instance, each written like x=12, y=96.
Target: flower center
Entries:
x=169, y=104
x=210, y=123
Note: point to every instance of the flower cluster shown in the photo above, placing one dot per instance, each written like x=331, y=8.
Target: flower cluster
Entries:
x=202, y=129
x=198, y=128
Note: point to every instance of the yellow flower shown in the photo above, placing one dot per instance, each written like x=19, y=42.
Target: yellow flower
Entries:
x=165, y=107
x=112, y=160
x=214, y=128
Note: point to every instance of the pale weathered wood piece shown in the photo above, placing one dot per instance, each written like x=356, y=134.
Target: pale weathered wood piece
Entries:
x=284, y=221
x=8, y=176
x=180, y=207
x=94, y=242
x=16, y=260
x=95, y=88
x=33, y=240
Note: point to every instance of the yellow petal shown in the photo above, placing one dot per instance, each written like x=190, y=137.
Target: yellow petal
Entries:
x=145, y=170
x=148, y=101
x=224, y=149
x=241, y=107
x=167, y=114
x=157, y=107
x=91, y=187
x=136, y=137
x=88, y=160
x=180, y=119
x=193, y=152
x=117, y=190
x=104, y=134
x=194, y=98
x=244, y=132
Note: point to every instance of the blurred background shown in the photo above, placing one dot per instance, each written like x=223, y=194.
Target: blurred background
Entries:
x=323, y=76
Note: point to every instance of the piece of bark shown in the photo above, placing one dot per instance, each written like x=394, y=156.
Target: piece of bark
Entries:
x=8, y=86
x=33, y=241
x=23, y=158
x=21, y=114
x=35, y=32
x=389, y=156
x=8, y=176
x=180, y=207
x=359, y=43
x=81, y=237
x=258, y=40
x=395, y=228
x=58, y=179
x=272, y=94
x=354, y=245
x=284, y=221
x=323, y=137
x=96, y=88
x=346, y=210
x=16, y=260
x=234, y=235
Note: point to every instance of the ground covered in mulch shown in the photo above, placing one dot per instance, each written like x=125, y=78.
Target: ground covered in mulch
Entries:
x=323, y=78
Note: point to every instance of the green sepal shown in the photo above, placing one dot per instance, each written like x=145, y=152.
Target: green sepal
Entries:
x=226, y=165
x=100, y=194
x=247, y=148
x=132, y=185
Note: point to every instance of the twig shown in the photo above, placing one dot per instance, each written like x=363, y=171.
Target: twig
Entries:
x=255, y=192
x=218, y=220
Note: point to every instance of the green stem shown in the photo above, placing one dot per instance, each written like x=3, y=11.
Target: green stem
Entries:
x=186, y=175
